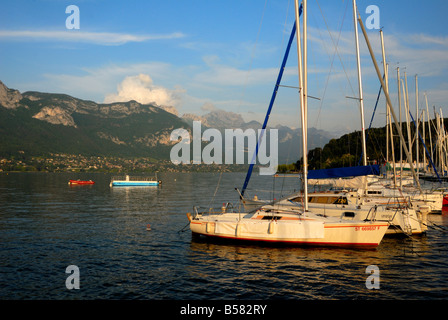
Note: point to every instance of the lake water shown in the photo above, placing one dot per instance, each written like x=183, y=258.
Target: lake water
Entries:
x=47, y=225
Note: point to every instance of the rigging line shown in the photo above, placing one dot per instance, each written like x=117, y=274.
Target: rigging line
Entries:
x=285, y=32
x=245, y=85
x=427, y=152
x=289, y=149
x=253, y=54
x=332, y=62
x=290, y=143
x=216, y=190
x=371, y=120
x=336, y=49
x=271, y=103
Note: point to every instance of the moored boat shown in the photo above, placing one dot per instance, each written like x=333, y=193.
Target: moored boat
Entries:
x=286, y=227
x=81, y=182
x=346, y=205
x=128, y=181
x=445, y=204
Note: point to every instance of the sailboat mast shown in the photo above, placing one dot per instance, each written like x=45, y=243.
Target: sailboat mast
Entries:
x=389, y=131
x=387, y=86
x=416, y=129
x=444, y=140
x=429, y=127
x=407, y=117
x=302, y=105
x=305, y=67
x=401, y=127
x=406, y=150
x=361, y=101
x=424, y=139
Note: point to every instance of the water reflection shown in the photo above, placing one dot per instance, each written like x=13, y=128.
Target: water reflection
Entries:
x=324, y=273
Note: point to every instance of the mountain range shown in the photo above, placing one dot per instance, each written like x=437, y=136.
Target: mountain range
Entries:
x=39, y=123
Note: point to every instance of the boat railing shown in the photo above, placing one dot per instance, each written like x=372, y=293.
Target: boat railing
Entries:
x=195, y=212
x=225, y=208
x=398, y=202
x=371, y=215
x=133, y=178
x=199, y=211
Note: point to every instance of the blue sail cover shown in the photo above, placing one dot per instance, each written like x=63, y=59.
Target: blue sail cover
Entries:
x=344, y=172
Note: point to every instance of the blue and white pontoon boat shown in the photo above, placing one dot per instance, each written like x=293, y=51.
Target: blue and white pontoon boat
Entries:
x=128, y=181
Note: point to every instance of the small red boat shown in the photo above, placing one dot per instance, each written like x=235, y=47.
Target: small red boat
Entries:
x=81, y=182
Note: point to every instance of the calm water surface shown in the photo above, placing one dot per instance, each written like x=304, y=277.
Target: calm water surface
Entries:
x=47, y=225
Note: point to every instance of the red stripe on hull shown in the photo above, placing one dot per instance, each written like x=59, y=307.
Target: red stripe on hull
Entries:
x=298, y=243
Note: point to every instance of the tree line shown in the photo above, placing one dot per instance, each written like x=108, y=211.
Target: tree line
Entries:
x=346, y=151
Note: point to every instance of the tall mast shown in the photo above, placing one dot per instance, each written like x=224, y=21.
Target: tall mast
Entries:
x=406, y=150
x=439, y=156
x=401, y=127
x=388, y=122
x=305, y=66
x=302, y=105
x=444, y=140
x=387, y=86
x=440, y=141
x=361, y=101
x=429, y=127
x=406, y=114
x=416, y=121
x=407, y=118
x=424, y=140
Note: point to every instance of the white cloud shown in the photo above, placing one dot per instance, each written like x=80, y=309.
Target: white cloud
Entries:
x=142, y=89
x=95, y=83
x=101, y=38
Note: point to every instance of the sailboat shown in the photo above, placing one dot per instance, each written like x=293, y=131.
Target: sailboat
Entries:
x=279, y=225
x=430, y=200
x=356, y=198
x=346, y=199
x=383, y=188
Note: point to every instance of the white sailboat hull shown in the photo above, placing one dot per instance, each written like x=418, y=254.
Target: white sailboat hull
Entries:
x=381, y=191
x=290, y=228
x=434, y=202
x=401, y=221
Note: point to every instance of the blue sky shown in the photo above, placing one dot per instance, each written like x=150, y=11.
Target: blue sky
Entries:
x=205, y=55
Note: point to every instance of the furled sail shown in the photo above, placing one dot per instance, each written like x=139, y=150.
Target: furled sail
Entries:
x=344, y=172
